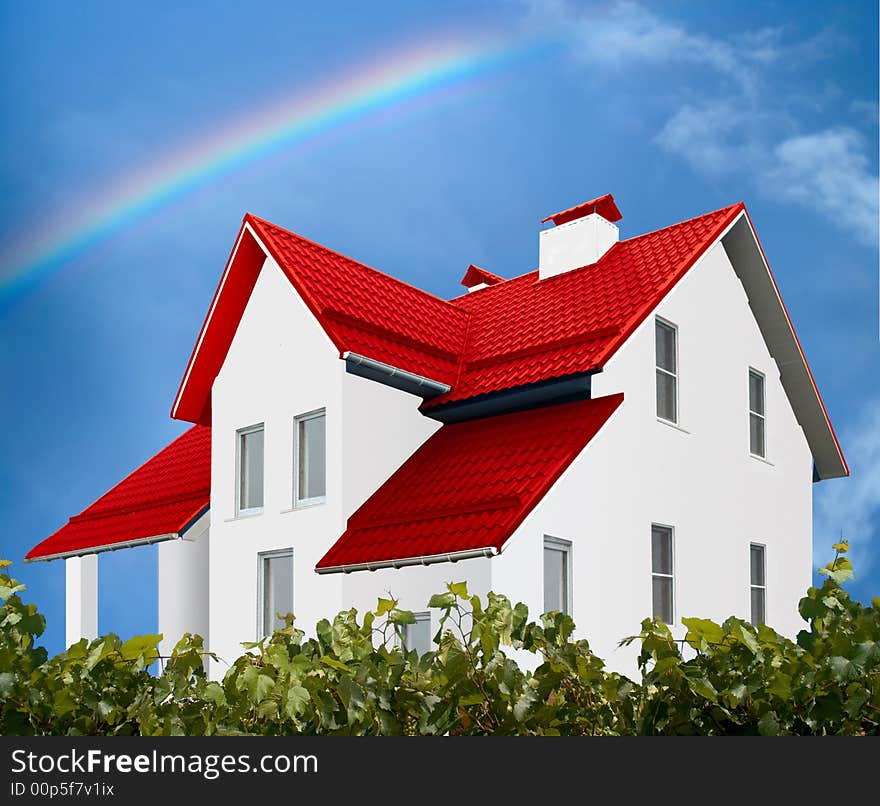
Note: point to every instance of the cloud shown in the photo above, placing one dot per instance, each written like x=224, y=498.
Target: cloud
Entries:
x=851, y=507
x=827, y=170
x=738, y=115
x=830, y=168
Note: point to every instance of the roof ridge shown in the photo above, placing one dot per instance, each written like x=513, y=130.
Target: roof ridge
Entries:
x=725, y=209
x=265, y=222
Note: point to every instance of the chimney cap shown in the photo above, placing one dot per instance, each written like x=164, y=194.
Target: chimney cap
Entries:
x=603, y=205
x=477, y=276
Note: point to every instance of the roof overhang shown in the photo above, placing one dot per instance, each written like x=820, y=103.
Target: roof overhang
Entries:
x=750, y=264
x=430, y=559
x=124, y=544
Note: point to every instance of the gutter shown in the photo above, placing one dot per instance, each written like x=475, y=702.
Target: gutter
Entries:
x=125, y=544
x=392, y=376
x=427, y=559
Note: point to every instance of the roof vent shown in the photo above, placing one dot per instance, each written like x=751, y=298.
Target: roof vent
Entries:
x=476, y=278
x=579, y=237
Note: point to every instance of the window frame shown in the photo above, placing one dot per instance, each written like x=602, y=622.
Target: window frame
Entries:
x=762, y=415
x=262, y=556
x=300, y=503
x=753, y=586
x=421, y=617
x=246, y=512
x=565, y=548
x=670, y=576
x=659, y=321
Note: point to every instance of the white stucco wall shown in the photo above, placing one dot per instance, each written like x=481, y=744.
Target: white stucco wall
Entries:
x=280, y=365
x=183, y=586
x=698, y=478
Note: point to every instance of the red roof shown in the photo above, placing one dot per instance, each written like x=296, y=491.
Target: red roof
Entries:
x=477, y=276
x=162, y=497
x=603, y=205
x=512, y=333
x=526, y=330
x=362, y=311
x=469, y=485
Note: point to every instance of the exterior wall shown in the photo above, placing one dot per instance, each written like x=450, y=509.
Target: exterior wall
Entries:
x=281, y=364
x=183, y=586
x=698, y=478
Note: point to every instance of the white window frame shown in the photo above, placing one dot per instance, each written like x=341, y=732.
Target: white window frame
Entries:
x=670, y=576
x=564, y=546
x=239, y=434
x=763, y=416
x=752, y=585
x=676, y=376
x=421, y=617
x=261, y=586
x=298, y=502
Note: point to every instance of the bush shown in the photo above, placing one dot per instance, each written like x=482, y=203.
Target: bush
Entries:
x=353, y=679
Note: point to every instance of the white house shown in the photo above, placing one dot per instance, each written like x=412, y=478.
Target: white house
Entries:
x=631, y=429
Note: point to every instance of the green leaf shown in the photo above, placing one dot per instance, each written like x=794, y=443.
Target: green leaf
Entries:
x=401, y=617
x=7, y=683
x=296, y=701
x=768, y=724
x=842, y=547
x=385, y=606
x=335, y=664
x=701, y=628
x=459, y=589
x=141, y=646
x=442, y=600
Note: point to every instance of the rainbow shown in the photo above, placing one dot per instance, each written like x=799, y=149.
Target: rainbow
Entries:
x=415, y=74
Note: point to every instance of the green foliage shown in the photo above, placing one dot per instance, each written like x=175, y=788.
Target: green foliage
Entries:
x=352, y=677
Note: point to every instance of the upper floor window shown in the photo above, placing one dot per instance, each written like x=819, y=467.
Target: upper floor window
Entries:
x=662, y=575
x=310, y=459
x=249, y=461
x=557, y=575
x=757, y=416
x=758, y=586
x=276, y=589
x=666, y=341
x=417, y=636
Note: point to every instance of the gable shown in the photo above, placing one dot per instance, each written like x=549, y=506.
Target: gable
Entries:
x=511, y=335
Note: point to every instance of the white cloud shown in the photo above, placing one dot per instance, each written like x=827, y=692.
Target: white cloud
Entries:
x=744, y=126
x=829, y=170
x=851, y=507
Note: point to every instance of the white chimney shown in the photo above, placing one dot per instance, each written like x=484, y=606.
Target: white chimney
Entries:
x=579, y=237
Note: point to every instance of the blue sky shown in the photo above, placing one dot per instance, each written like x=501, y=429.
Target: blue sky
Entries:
x=676, y=108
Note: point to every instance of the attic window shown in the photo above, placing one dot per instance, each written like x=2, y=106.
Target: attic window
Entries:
x=249, y=461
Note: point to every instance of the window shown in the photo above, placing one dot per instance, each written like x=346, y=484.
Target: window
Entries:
x=275, y=589
x=661, y=573
x=310, y=459
x=418, y=636
x=666, y=338
x=757, y=441
x=557, y=575
x=758, y=584
x=250, y=470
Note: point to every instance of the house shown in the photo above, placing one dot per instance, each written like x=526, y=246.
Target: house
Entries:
x=631, y=429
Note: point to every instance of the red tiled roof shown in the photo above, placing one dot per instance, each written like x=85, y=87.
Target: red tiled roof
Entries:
x=512, y=333
x=469, y=485
x=603, y=205
x=526, y=330
x=476, y=276
x=162, y=497
x=361, y=309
